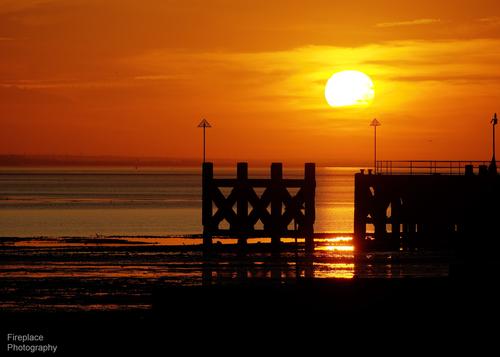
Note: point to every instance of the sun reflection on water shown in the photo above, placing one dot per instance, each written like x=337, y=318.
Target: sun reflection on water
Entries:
x=334, y=270
x=338, y=248
x=336, y=258
x=335, y=244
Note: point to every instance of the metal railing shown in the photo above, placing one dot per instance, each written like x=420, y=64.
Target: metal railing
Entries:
x=428, y=167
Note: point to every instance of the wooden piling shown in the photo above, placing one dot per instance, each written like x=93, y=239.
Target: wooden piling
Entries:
x=380, y=204
x=309, y=205
x=360, y=210
x=206, y=208
x=242, y=204
x=276, y=204
x=396, y=218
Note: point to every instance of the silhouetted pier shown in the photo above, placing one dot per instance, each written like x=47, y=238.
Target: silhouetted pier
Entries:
x=426, y=204
x=264, y=207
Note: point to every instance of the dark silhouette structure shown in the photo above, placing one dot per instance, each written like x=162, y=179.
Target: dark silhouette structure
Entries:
x=281, y=212
x=375, y=123
x=416, y=204
x=493, y=165
x=204, y=124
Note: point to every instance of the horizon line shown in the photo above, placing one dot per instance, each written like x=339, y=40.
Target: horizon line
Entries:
x=118, y=160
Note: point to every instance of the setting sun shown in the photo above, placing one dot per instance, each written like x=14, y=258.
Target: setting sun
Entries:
x=348, y=88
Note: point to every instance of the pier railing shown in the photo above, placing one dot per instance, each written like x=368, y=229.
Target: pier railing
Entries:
x=430, y=167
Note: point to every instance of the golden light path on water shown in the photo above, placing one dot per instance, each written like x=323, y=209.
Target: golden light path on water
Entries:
x=341, y=251
x=337, y=244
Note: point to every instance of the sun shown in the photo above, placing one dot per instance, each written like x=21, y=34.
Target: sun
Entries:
x=349, y=88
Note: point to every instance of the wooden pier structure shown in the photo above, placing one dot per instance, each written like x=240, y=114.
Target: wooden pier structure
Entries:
x=426, y=204
x=275, y=213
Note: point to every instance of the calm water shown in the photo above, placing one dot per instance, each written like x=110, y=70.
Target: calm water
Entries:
x=64, y=202
x=53, y=272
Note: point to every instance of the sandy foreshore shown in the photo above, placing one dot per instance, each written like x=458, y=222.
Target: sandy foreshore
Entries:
x=134, y=294
x=120, y=273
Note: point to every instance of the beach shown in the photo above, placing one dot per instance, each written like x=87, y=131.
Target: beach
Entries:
x=115, y=296
x=71, y=274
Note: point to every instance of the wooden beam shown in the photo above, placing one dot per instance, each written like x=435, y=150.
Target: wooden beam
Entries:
x=292, y=183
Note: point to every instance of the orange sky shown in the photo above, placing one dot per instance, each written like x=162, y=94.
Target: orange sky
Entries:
x=134, y=78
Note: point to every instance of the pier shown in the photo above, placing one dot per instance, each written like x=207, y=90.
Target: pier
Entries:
x=410, y=205
x=264, y=207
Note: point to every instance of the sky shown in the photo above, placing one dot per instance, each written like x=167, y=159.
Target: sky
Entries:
x=134, y=78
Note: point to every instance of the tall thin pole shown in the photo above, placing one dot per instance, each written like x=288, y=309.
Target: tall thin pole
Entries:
x=204, y=124
x=494, y=122
x=375, y=149
x=375, y=123
x=204, y=149
x=493, y=165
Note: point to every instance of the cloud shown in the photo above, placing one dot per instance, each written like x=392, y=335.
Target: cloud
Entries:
x=7, y=6
x=292, y=81
x=491, y=21
x=65, y=83
x=155, y=77
x=452, y=78
x=415, y=22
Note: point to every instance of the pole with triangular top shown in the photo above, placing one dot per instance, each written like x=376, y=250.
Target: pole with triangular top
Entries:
x=375, y=123
x=204, y=124
x=493, y=165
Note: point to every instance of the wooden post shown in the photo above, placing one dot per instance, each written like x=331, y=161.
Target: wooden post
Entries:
x=379, y=214
x=206, y=209
x=276, y=204
x=242, y=203
x=360, y=202
x=309, y=267
x=206, y=273
x=412, y=230
x=309, y=205
x=405, y=235
x=396, y=222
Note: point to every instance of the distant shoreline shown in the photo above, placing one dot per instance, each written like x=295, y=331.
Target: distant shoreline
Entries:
x=68, y=161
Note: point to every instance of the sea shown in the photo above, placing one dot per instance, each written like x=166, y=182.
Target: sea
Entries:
x=70, y=202
x=106, y=238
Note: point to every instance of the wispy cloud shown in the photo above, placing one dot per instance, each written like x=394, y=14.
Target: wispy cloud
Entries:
x=64, y=83
x=494, y=20
x=10, y=6
x=293, y=80
x=415, y=22
x=156, y=77
x=6, y=38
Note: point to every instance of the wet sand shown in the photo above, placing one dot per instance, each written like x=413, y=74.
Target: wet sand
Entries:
x=103, y=273
x=133, y=294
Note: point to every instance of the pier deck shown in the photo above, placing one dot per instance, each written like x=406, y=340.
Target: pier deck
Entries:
x=413, y=205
